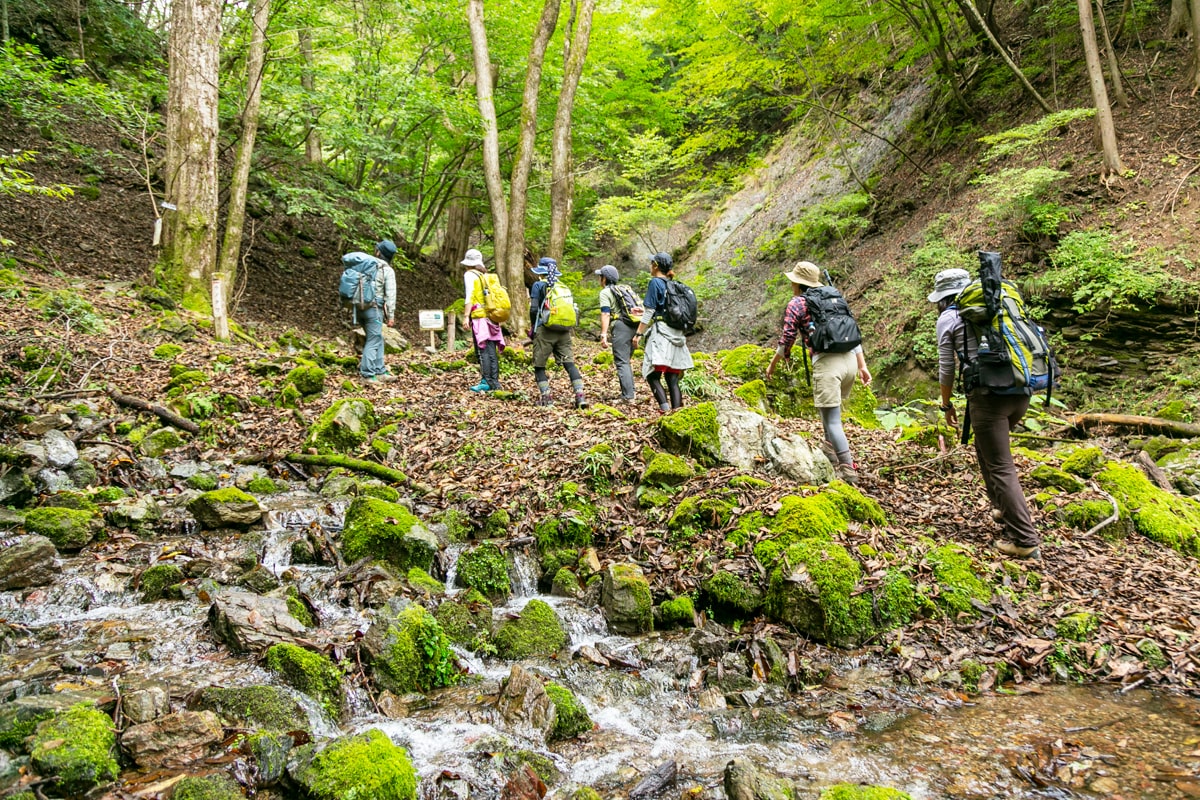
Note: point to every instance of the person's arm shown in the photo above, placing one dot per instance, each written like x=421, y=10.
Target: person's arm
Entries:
x=606, y=302
x=537, y=295
x=656, y=293
x=948, y=325
x=787, y=337
x=469, y=278
x=389, y=295
x=864, y=374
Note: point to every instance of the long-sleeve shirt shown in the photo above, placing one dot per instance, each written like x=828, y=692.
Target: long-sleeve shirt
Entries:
x=470, y=278
x=537, y=296
x=952, y=341
x=797, y=322
x=385, y=287
x=656, y=297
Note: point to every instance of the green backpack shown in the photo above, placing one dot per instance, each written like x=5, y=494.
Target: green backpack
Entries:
x=1014, y=355
x=558, y=312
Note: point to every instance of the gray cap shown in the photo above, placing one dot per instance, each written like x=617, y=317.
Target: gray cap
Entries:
x=949, y=282
x=609, y=273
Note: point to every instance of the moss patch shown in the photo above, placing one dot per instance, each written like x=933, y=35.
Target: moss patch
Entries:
x=850, y=791
x=209, y=787
x=692, y=431
x=1084, y=461
x=957, y=579
x=695, y=514
x=309, y=380
x=311, y=673
x=812, y=589
x=343, y=427
x=68, y=528
x=423, y=581
x=666, y=471
x=815, y=516
x=856, y=505
x=1047, y=476
x=677, y=613
x=1161, y=516
x=746, y=363
x=387, y=531
x=159, y=581
x=754, y=395
x=485, y=569
x=465, y=620
x=730, y=598
x=572, y=718
x=265, y=707
x=360, y=767
x=76, y=749
x=537, y=631
x=413, y=653
x=1078, y=627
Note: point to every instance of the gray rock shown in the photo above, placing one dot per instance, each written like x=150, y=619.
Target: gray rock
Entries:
x=710, y=641
x=36, y=454
x=16, y=489
x=525, y=704
x=393, y=342
x=745, y=781
x=83, y=473
x=54, y=480
x=225, y=508
x=242, y=478
x=626, y=599
x=259, y=580
x=119, y=651
x=249, y=623
x=172, y=740
x=98, y=453
x=748, y=438
x=60, y=451
x=132, y=512
x=10, y=519
x=159, y=442
x=155, y=472
x=30, y=561
x=187, y=469
x=47, y=422
x=339, y=486
x=145, y=703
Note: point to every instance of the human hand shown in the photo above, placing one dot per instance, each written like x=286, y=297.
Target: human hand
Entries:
x=604, y=340
x=864, y=375
x=951, y=415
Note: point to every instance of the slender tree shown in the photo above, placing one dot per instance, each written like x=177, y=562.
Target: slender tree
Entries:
x=1195, y=46
x=1104, y=119
x=231, y=248
x=1110, y=53
x=189, y=255
x=978, y=22
x=312, y=136
x=562, y=175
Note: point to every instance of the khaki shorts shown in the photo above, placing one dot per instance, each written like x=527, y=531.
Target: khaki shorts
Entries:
x=547, y=343
x=833, y=377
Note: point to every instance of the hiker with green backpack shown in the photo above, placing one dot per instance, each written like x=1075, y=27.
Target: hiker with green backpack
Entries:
x=487, y=307
x=620, y=310
x=1004, y=357
x=552, y=317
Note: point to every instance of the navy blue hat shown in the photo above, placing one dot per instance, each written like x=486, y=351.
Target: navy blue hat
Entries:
x=387, y=249
x=544, y=264
x=664, y=261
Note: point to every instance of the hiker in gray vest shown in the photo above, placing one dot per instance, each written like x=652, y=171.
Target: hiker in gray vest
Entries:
x=620, y=311
x=372, y=366
x=993, y=417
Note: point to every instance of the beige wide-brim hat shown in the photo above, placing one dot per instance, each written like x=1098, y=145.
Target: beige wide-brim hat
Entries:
x=473, y=258
x=805, y=273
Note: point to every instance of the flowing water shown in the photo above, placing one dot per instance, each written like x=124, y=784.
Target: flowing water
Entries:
x=92, y=631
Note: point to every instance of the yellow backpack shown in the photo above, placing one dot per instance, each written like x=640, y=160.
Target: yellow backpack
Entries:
x=492, y=297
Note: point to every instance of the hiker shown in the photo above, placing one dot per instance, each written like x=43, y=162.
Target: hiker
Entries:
x=833, y=373
x=666, y=351
x=619, y=315
x=487, y=335
x=552, y=315
x=992, y=416
x=372, y=366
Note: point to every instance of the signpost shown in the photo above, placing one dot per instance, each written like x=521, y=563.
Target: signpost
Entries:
x=432, y=321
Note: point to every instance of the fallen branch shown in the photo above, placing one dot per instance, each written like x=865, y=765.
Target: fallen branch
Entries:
x=355, y=464
x=1153, y=471
x=1167, y=427
x=166, y=415
x=1104, y=523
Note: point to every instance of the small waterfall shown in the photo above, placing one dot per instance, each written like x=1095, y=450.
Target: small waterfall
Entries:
x=449, y=560
x=523, y=573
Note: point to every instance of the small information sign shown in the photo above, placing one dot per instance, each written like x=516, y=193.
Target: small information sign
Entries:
x=433, y=320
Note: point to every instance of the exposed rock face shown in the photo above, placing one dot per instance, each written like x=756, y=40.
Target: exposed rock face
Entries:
x=745, y=781
x=172, y=740
x=31, y=561
x=248, y=623
x=525, y=703
x=145, y=703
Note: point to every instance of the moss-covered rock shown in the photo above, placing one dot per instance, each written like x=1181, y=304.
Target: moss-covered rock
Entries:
x=537, y=631
x=309, y=380
x=812, y=590
x=565, y=583
x=225, y=508
x=208, y=787
x=311, y=673
x=389, y=532
x=746, y=363
x=422, y=581
x=356, y=768
x=262, y=484
x=653, y=497
x=259, y=707
x=497, y=523
x=571, y=717
x=184, y=379
x=202, y=481
x=159, y=581
x=817, y=516
x=1047, y=476
x=168, y=351
x=299, y=611
x=666, y=471
x=343, y=427
x=76, y=750
x=754, y=395
x=485, y=569
x=730, y=598
x=410, y=652
x=958, y=578
x=626, y=599
x=678, y=612
x=467, y=619
x=695, y=514
x=856, y=505
x=1084, y=461
x=1078, y=626
x=68, y=528
x=1158, y=515
x=851, y=791
x=158, y=442
x=692, y=431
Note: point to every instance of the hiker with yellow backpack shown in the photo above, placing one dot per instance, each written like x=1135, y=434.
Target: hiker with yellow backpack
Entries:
x=487, y=306
x=552, y=316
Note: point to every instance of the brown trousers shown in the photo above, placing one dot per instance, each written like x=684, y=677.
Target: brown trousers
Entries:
x=992, y=418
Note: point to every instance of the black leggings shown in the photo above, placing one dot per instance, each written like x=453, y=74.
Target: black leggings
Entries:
x=655, y=381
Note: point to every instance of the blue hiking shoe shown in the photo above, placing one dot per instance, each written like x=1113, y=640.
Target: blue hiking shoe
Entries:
x=482, y=386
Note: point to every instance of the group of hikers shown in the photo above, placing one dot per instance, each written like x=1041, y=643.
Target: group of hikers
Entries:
x=816, y=315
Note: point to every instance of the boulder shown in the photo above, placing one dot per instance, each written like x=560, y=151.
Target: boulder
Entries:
x=54, y=480
x=145, y=703
x=172, y=740
x=19, y=717
x=745, y=781
x=76, y=750
x=249, y=623
x=625, y=597
x=68, y=528
x=133, y=512
x=343, y=427
x=225, y=508
x=16, y=489
x=361, y=766
x=268, y=708
x=393, y=342
x=389, y=532
x=30, y=561
x=409, y=651
x=525, y=704
x=60, y=451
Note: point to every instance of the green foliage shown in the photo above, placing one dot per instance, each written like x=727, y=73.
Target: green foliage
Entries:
x=76, y=749
x=1016, y=140
x=67, y=306
x=311, y=673
x=1018, y=194
x=14, y=180
x=485, y=569
x=360, y=767
x=839, y=219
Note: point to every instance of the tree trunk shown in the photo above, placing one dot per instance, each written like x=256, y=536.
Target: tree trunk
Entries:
x=1195, y=46
x=3, y=22
x=460, y=220
x=562, y=180
x=1178, y=23
x=484, y=89
x=969, y=7
x=1104, y=119
x=260, y=12
x=189, y=254
x=312, y=137
x=1114, y=69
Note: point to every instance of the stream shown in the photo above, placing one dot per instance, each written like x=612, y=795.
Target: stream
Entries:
x=90, y=631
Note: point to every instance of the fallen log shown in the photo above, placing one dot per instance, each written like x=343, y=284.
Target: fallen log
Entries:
x=1153, y=471
x=165, y=414
x=354, y=464
x=1166, y=427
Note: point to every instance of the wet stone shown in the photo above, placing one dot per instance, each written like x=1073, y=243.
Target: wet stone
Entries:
x=60, y=450
x=15, y=488
x=259, y=580
x=145, y=703
x=745, y=781
x=249, y=623
x=172, y=740
x=525, y=704
x=45, y=423
x=132, y=512
x=55, y=480
x=119, y=651
x=30, y=561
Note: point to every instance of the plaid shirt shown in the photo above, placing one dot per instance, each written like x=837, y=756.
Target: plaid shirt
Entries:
x=796, y=324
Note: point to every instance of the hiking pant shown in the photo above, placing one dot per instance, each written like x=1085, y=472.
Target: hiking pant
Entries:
x=489, y=363
x=372, y=363
x=622, y=350
x=992, y=419
x=558, y=344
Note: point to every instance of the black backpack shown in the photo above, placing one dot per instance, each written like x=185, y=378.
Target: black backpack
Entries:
x=833, y=327
x=679, y=309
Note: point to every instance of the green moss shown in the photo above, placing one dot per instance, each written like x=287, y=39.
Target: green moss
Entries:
x=263, y=707
x=603, y=359
x=158, y=581
x=309, y=672
x=677, y=613
x=1077, y=627
x=860, y=407
x=76, y=500
x=202, y=481
x=813, y=589
x=554, y=560
x=467, y=619
x=730, y=598
x=747, y=529
x=626, y=598
x=955, y=573
x=157, y=442
x=896, y=600
x=1158, y=515
x=856, y=505
x=378, y=490
x=309, y=380
x=537, y=631
x=815, y=516
x=565, y=583
x=585, y=793
x=1047, y=476
x=167, y=351
x=695, y=514
x=666, y=471
x=264, y=485
x=18, y=724
x=300, y=611
x=1176, y=410
x=186, y=379
x=850, y=791
x=415, y=655
x=1084, y=462
x=362, y=767
x=1152, y=654
x=457, y=522
x=754, y=395
x=571, y=528
x=485, y=569
x=745, y=363
x=497, y=523
x=387, y=531
x=572, y=718
x=288, y=397
x=692, y=431
x=343, y=427
x=420, y=579
x=76, y=749
x=108, y=494
x=210, y=787
x=748, y=482
x=1083, y=515
x=67, y=528
x=971, y=671
x=651, y=497
x=767, y=551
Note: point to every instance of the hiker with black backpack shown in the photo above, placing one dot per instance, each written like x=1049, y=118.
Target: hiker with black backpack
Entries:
x=486, y=304
x=373, y=296
x=819, y=316
x=1004, y=357
x=668, y=316
x=620, y=310
x=552, y=317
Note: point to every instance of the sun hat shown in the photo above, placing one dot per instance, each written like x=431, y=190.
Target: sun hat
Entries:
x=473, y=258
x=949, y=282
x=387, y=249
x=609, y=273
x=805, y=273
x=545, y=263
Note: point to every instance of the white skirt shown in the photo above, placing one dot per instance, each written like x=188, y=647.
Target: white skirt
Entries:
x=665, y=347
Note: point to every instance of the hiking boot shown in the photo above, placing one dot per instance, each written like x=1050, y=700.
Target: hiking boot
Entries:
x=847, y=473
x=829, y=452
x=545, y=400
x=997, y=516
x=482, y=386
x=580, y=400
x=1017, y=551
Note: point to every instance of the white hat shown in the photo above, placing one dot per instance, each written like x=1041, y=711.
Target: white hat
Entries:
x=473, y=258
x=949, y=282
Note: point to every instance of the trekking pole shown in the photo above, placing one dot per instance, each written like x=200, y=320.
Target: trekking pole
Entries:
x=807, y=371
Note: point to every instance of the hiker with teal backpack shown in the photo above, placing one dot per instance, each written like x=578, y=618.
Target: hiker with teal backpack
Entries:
x=368, y=284
x=668, y=316
x=486, y=305
x=620, y=311
x=1004, y=357
x=552, y=317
